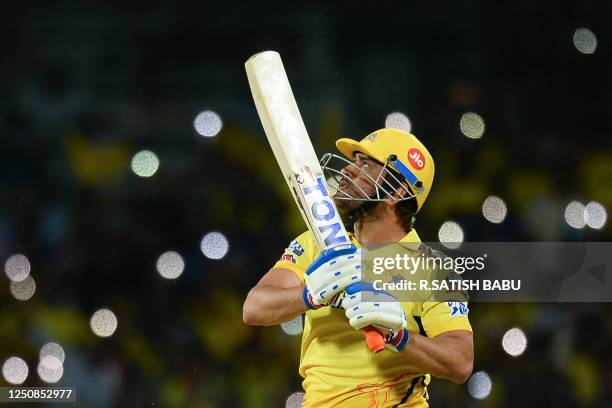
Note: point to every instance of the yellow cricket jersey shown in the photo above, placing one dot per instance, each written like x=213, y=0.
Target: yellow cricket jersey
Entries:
x=337, y=367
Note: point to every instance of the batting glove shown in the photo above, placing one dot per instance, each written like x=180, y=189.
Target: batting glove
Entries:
x=330, y=274
x=364, y=305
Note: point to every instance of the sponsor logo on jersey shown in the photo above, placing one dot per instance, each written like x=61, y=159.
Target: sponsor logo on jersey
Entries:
x=416, y=158
x=458, y=309
x=288, y=257
x=296, y=248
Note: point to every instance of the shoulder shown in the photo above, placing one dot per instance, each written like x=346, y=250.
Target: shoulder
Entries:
x=305, y=242
x=299, y=254
x=426, y=250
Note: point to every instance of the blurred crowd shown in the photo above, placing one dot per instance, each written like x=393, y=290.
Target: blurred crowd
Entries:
x=85, y=89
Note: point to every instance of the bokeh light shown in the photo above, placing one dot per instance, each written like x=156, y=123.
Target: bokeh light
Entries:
x=15, y=370
x=17, y=267
x=52, y=349
x=23, y=290
x=214, y=245
x=208, y=123
x=494, y=209
x=295, y=400
x=398, y=120
x=170, y=265
x=145, y=163
x=480, y=385
x=293, y=327
x=574, y=215
x=585, y=41
x=514, y=342
x=103, y=323
x=450, y=235
x=472, y=125
x=50, y=369
x=595, y=215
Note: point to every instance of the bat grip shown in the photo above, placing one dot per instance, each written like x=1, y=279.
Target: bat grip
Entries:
x=374, y=339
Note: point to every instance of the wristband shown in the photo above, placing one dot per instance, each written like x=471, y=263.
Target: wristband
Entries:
x=308, y=300
x=398, y=341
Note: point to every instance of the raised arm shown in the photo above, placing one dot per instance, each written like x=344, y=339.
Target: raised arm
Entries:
x=275, y=299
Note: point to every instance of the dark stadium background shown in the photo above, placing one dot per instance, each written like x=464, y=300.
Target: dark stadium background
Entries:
x=86, y=86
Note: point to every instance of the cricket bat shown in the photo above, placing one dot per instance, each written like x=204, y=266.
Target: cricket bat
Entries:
x=296, y=157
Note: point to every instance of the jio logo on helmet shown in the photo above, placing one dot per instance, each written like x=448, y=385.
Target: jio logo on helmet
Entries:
x=416, y=158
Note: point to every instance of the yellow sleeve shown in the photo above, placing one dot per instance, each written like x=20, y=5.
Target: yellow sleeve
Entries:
x=299, y=254
x=440, y=317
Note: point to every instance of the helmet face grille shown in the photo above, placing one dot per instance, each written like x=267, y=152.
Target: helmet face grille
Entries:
x=389, y=184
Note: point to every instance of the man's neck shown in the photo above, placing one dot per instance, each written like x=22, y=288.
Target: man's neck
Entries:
x=378, y=228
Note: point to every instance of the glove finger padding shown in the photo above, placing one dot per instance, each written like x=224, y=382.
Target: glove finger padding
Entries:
x=385, y=322
x=324, y=295
x=366, y=306
x=329, y=274
x=353, y=298
x=332, y=272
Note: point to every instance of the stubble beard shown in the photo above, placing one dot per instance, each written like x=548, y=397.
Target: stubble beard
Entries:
x=346, y=206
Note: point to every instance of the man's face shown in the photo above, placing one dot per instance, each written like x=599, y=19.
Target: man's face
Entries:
x=361, y=186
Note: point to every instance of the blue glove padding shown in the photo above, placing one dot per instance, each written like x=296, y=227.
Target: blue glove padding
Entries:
x=364, y=305
x=330, y=274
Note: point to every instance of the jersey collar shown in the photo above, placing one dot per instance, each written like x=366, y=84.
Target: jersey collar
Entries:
x=412, y=237
x=410, y=240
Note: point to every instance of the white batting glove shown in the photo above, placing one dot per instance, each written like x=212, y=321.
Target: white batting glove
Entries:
x=364, y=305
x=330, y=274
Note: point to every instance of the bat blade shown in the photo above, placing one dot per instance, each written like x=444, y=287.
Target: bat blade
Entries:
x=292, y=147
x=296, y=157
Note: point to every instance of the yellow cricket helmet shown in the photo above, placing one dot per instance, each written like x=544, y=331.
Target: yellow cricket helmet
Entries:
x=402, y=151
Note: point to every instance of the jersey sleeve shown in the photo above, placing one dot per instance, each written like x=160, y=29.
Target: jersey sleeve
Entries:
x=440, y=317
x=441, y=311
x=298, y=255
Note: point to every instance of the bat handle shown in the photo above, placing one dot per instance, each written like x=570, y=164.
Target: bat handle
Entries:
x=374, y=339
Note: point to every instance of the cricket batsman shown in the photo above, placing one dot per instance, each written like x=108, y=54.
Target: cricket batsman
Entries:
x=382, y=184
